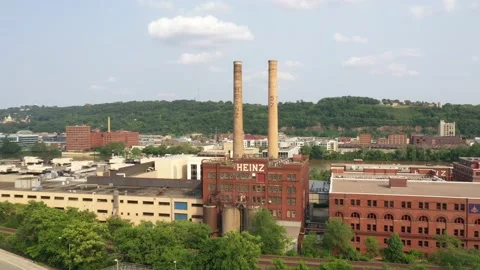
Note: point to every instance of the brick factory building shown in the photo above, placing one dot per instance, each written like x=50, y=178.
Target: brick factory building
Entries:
x=397, y=139
x=365, y=138
x=78, y=138
x=360, y=169
x=425, y=141
x=467, y=169
x=416, y=210
x=100, y=139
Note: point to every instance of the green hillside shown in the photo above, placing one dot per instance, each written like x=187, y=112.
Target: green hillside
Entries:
x=329, y=116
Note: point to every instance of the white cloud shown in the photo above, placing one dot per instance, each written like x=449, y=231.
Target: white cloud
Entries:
x=198, y=31
x=192, y=58
x=213, y=6
x=263, y=75
x=475, y=58
x=97, y=87
x=410, y=52
x=360, y=61
x=293, y=64
x=112, y=79
x=344, y=39
x=215, y=69
x=475, y=4
x=162, y=4
x=449, y=5
x=420, y=12
x=400, y=70
x=311, y=4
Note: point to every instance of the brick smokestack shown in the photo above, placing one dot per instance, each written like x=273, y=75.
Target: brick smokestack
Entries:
x=272, y=110
x=237, y=110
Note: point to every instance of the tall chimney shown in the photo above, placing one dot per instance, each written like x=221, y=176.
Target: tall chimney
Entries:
x=237, y=111
x=272, y=110
x=108, y=124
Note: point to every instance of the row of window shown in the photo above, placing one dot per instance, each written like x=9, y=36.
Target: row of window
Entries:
x=278, y=213
x=255, y=188
x=373, y=216
x=408, y=229
x=404, y=204
x=177, y=205
x=274, y=177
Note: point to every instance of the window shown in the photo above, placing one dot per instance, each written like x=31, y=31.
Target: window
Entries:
x=163, y=215
x=102, y=211
x=439, y=231
x=180, y=206
x=163, y=203
x=291, y=177
x=372, y=216
x=459, y=221
x=406, y=217
x=132, y=202
x=197, y=216
x=355, y=226
x=422, y=230
x=388, y=216
x=102, y=200
x=354, y=202
x=31, y=196
x=275, y=200
x=477, y=222
x=150, y=214
x=72, y=198
x=6, y=195
x=339, y=214
x=59, y=198
x=87, y=199
x=441, y=206
x=197, y=205
x=291, y=201
x=372, y=203
x=409, y=242
x=212, y=187
x=423, y=218
x=442, y=219
x=459, y=232
x=212, y=175
x=387, y=228
x=291, y=190
x=406, y=204
x=338, y=201
x=406, y=229
x=18, y=196
x=371, y=227
x=45, y=197
x=355, y=215
x=178, y=216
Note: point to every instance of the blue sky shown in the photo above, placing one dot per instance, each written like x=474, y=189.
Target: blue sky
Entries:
x=96, y=51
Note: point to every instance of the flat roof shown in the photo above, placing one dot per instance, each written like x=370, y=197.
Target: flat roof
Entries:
x=414, y=188
x=83, y=188
x=389, y=166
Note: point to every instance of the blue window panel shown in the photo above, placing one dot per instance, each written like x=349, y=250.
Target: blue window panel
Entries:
x=181, y=206
x=181, y=216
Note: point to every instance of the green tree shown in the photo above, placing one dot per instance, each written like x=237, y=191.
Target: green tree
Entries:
x=451, y=255
x=233, y=251
x=394, y=251
x=279, y=264
x=337, y=264
x=115, y=148
x=337, y=238
x=373, y=248
x=311, y=246
x=302, y=266
x=9, y=148
x=273, y=236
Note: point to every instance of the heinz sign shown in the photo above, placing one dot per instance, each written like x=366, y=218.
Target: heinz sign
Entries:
x=239, y=167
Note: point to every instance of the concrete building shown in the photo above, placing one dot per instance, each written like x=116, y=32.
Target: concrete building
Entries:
x=23, y=138
x=78, y=138
x=467, y=169
x=416, y=210
x=330, y=145
x=162, y=202
x=446, y=129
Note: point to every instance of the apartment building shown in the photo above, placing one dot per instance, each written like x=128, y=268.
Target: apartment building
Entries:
x=446, y=129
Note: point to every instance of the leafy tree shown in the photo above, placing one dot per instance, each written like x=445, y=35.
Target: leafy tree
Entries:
x=273, y=236
x=115, y=223
x=302, y=266
x=9, y=148
x=394, y=251
x=337, y=264
x=373, y=248
x=311, y=246
x=233, y=251
x=452, y=256
x=323, y=175
x=279, y=265
x=337, y=238
x=115, y=148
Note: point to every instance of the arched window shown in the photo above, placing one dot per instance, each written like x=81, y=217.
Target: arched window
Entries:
x=442, y=219
x=459, y=220
x=477, y=222
x=355, y=215
x=406, y=217
x=423, y=218
x=388, y=216
x=372, y=216
x=339, y=214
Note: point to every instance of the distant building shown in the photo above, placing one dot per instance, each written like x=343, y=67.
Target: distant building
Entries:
x=446, y=129
x=397, y=139
x=365, y=138
x=78, y=138
x=23, y=138
x=467, y=169
x=437, y=141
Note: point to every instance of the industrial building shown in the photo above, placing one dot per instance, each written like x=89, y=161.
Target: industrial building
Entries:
x=234, y=189
x=467, y=169
x=425, y=141
x=78, y=138
x=417, y=209
x=359, y=169
x=446, y=129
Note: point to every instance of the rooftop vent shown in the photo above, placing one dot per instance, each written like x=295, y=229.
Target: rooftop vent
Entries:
x=397, y=181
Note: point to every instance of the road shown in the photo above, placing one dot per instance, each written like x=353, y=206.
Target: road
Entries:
x=10, y=261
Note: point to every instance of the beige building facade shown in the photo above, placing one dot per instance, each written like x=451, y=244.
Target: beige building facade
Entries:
x=446, y=129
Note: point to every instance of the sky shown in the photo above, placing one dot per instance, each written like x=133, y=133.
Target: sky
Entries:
x=62, y=53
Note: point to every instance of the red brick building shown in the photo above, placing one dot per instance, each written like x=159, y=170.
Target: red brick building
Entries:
x=358, y=169
x=467, y=169
x=365, y=139
x=416, y=210
x=282, y=186
x=399, y=139
x=437, y=141
x=78, y=138
x=100, y=139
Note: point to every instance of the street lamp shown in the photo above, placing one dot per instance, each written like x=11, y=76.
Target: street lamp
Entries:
x=175, y=264
x=69, y=248
x=116, y=260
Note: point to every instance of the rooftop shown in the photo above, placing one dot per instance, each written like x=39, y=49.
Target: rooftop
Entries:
x=414, y=188
x=387, y=166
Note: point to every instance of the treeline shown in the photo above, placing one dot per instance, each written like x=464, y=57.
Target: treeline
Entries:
x=11, y=149
x=73, y=239
x=410, y=153
x=118, y=149
x=329, y=116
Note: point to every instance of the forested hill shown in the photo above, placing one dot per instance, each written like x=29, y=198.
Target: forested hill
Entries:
x=329, y=116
